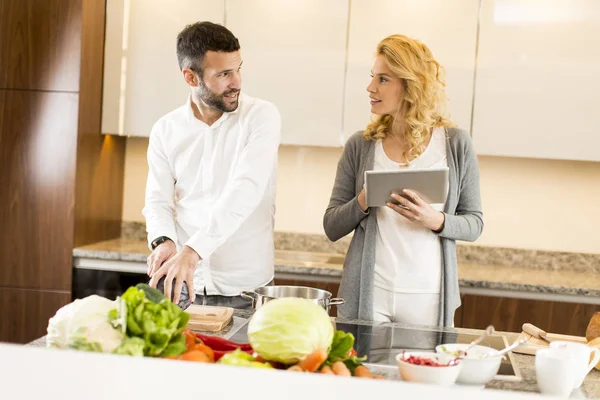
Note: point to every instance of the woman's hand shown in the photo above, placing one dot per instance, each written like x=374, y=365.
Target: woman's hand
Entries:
x=413, y=208
x=362, y=200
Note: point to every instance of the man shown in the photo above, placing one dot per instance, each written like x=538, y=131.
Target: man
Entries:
x=210, y=192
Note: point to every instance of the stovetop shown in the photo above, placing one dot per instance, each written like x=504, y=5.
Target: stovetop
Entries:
x=381, y=343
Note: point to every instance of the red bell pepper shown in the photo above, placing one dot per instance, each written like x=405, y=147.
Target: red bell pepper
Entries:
x=223, y=346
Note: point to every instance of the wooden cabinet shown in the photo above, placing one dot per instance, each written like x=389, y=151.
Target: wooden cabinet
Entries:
x=25, y=313
x=509, y=314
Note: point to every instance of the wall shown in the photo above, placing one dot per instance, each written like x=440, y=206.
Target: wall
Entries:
x=527, y=203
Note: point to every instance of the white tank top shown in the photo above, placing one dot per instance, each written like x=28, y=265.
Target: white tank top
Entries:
x=408, y=257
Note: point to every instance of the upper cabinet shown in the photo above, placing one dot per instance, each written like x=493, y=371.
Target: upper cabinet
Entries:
x=538, y=79
x=522, y=75
x=142, y=80
x=294, y=54
x=448, y=28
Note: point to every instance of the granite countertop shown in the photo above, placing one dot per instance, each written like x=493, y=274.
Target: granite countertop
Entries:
x=522, y=278
x=525, y=363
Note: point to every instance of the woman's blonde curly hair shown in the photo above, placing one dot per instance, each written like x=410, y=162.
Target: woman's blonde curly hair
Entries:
x=424, y=105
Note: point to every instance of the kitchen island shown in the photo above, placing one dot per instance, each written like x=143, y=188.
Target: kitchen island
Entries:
x=381, y=341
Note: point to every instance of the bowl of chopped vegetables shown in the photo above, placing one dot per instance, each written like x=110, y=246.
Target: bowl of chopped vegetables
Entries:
x=476, y=369
x=424, y=367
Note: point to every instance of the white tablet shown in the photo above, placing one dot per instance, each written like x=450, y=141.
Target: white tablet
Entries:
x=430, y=184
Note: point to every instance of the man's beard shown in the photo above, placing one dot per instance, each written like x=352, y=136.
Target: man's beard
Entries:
x=217, y=101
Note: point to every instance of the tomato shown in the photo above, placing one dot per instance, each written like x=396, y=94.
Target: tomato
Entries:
x=194, y=355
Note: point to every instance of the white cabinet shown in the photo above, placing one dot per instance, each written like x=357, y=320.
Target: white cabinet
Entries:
x=142, y=80
x=538, y=79
x=448, y=28
x=294, y=54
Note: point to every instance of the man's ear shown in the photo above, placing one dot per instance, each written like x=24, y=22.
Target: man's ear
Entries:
x=190, y=77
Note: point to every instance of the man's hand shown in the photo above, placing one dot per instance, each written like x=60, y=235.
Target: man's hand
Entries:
x=163, y=252
x=181, y=267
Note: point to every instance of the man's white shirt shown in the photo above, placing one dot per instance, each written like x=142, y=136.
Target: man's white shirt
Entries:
x=212, y=188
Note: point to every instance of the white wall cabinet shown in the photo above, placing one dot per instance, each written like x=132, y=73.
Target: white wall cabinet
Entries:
x=522, y=75
x=448, y=28
x=142, y=78
x=294, y=54
x=537, y=87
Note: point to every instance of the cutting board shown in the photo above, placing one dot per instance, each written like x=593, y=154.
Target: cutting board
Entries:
x=208, y=318
x=535, y=343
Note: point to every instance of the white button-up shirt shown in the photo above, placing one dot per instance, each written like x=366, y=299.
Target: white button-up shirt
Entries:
x=212, y=188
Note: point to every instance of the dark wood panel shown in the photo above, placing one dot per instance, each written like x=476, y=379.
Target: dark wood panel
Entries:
x=329, y=286
x=507, y=314
x=458, y=315
x=100, y=159
x=40, y=44
x=571, y=319
x=38, y=135
x=25, y=313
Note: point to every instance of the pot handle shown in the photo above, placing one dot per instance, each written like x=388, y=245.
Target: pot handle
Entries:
x=336, y=301
x=248, y=295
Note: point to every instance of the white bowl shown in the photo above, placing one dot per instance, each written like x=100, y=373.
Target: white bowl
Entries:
x=439, y=375
x=475, y=370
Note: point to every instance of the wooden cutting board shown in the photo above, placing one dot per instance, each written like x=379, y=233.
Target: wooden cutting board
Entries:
x=208, y=318
x=536, y=342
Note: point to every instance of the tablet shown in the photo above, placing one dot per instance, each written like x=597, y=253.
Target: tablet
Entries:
x=430, y=184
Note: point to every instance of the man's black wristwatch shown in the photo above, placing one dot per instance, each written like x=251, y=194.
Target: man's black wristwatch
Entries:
x=159, y=240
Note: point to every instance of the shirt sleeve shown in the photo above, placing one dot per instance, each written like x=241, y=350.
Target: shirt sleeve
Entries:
x=247, y=186
x=159, y=208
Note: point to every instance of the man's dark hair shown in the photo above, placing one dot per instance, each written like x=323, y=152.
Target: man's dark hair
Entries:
x=196, y=39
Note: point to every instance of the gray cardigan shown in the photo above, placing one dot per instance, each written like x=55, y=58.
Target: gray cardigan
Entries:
x=463, y=221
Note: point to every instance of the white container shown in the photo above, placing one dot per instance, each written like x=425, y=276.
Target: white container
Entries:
x=554, y=371
x=475, y=370
x=439, y=375
x=581, y=353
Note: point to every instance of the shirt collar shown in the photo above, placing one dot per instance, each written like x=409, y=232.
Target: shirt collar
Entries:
x=190, y=112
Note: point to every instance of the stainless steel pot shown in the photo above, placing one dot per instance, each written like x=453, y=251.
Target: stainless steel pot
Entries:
x=263, y=294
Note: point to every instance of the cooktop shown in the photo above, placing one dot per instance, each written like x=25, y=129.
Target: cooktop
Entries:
x=381, y=343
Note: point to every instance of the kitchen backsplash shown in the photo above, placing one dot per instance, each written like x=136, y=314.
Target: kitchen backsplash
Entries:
x=541, y=259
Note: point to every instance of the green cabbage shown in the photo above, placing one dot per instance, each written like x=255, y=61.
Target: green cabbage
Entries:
x=287, y=330
x=84, y=325
x=242, y=359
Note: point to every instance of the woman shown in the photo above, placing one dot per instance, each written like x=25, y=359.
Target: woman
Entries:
x=401, y=265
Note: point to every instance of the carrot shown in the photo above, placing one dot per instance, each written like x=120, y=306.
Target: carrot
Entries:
x=296, y=368
x=313, y=361
x=327, y=370
x=379, y=377
x=362, y=372
x=339, y=368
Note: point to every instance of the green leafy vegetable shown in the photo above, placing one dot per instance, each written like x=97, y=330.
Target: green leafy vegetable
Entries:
x=341, y=350
x=159, y=323
x=242, y=359
x=131, y=346
x=84, y=325
x=288, y=329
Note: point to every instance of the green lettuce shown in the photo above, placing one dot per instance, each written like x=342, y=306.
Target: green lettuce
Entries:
x=158, y=322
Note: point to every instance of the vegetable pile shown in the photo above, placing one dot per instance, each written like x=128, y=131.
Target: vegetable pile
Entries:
x=288, y=333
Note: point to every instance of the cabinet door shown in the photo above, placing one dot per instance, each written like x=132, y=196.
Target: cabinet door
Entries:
x=294, y=55
x=537, y=79
x=448, y=28
x=142, y=80
x=25, y=313
x=509, y=314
